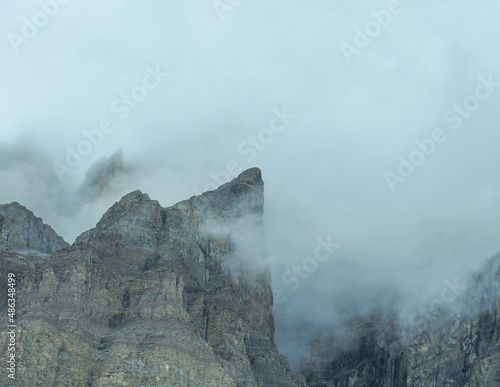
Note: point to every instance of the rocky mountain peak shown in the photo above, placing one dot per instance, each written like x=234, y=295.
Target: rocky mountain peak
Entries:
x=243, y=197
x=154, y=296
x=132, y=212
x=22, y=231
x=231, y=208
x=181, y=296
x=100, y=176
x=251, y=177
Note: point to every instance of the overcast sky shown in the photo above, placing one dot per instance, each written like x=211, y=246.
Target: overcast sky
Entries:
x=357, y=92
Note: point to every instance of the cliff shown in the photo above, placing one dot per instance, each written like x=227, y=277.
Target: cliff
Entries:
x=23, y=232
x=181, y=296
x=455, y=345
x=152, y=296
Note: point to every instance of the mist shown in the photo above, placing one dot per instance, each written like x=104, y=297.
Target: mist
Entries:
x=383, y=139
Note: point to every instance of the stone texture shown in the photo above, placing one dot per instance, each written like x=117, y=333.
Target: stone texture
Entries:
x=181, y=296
x=22, y=231
x=153, y=296
x=450, y=348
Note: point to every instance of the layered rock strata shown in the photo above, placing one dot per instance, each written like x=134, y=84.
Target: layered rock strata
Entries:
x=151, y=296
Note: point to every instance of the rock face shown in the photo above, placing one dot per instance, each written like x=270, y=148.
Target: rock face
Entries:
x=450, y=348
x=152, y=296
x=101, y=175
x=23, y=232
x=181, y=296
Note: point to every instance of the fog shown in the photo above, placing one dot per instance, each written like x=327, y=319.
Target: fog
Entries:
x=375, y=124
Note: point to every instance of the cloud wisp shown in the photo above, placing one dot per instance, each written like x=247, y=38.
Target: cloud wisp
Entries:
x=324, y=109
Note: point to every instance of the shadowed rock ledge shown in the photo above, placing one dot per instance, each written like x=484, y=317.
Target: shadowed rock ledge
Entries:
x=153, y=296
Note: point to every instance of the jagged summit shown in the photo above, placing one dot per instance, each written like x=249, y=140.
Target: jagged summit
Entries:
x=247, y=181
x=176, y=296
x=22, y=231
x=134, y=214
x=250, y=178
x=238, y=198
x=101, y=175
x=136, y=195
x=181, y=296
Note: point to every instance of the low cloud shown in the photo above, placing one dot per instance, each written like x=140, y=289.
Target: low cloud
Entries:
x=324, y=174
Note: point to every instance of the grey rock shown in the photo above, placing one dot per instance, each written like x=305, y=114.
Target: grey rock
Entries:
x=450, y=347
x=22, y=231
x=154, y=296
x=101, y=175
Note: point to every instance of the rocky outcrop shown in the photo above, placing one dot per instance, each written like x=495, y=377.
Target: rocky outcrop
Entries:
x=181, y=296
x=101, y=175
x=154, y=296
x=449, y=348
x=22, y=231
x=360, y=356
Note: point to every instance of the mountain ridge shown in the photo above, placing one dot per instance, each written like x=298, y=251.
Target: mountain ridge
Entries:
x=153, y=296
x=181, y=296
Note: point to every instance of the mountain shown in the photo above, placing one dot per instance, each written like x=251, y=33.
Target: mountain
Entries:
x=100, y=176
x=455, y=344
x=23, y=232
x=181, y=296
x=151, y=296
